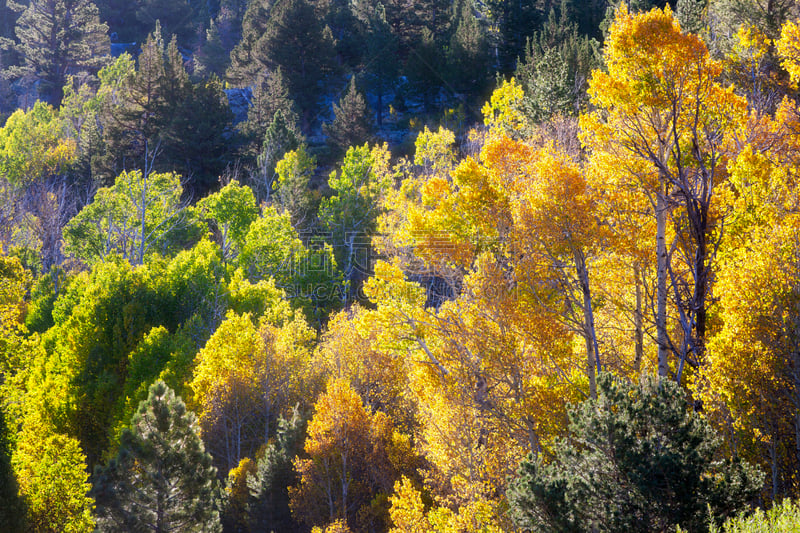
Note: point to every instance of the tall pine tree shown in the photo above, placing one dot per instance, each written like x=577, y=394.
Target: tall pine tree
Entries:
x=352, y=124
x=268, y=504
x=57, y=38
x=162, y=479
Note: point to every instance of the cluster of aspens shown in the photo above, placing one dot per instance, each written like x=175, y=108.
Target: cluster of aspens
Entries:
x=650, y=280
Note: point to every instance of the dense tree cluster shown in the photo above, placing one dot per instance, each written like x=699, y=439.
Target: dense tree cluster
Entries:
x=291, y=266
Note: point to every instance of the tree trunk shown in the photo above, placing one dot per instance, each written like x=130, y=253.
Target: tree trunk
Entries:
x=661, y=284
x=637, y=320
x=592, y=349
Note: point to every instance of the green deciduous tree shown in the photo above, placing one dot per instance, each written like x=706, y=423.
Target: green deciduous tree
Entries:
x=293, y=195
x=135, y=217
x=639, y=459
x=162, y=479
x=231, y=210
x=281, y=137
x=351, y=214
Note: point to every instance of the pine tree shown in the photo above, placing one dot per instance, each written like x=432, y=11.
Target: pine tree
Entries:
x=162, y=478
x=555, y=69
x=212, y=57
x=57, y=38
x=382, y=64
x=268, y=505
x=161, y=121
x=351, y=125
x=468, y=56
x=133, y=120
x=640, y=459
x=296, y=41
x=511, y=23
x=270, y=95
x=245, y=61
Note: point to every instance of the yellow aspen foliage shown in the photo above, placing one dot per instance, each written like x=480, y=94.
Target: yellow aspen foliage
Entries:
x=247, y=376
x=503, y=110
x=434, y=151
x=492, y=361
x=35, y=144
x=51, y=471
x=407, y=509
x=337, y=526
x=409, y=515
x=662, y=125
x=350, y=466
x=789, y=49
x=750, y=386
x=349, y=350
x=238, y=492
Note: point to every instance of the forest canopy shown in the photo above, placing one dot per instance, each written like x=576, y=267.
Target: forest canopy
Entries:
x=298, y=265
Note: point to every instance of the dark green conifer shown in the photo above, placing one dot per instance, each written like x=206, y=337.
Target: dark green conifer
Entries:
x=296, y=41
x=177, y=17
x=162, y=479
x=468, y=54
x=556, y=68
x=56, y=38
x=639, y=459
x=212, y=57
x=425, y=68
x=381, y=61
x=289, y=35
x=691, y=15
x=352, y=123
x=268, y=505
x=246, y=64
x=270, y=95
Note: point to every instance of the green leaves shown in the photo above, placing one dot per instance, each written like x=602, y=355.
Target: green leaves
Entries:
x=135, y=217
x=232, y=209
x=34, y=145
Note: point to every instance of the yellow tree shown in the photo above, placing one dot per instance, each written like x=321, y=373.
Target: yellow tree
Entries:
x=51, y=469
x=752, y=383
x=354, y=456
x=246, y=376
x=751, y=386
x=349, y=350
x=662, y=121
x=556, y=232
x=490, y=352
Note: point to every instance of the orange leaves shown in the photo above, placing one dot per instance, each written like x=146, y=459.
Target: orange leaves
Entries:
x=555, y=203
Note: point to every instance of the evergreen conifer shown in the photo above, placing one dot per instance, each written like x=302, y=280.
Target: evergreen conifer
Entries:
x=162, y=478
